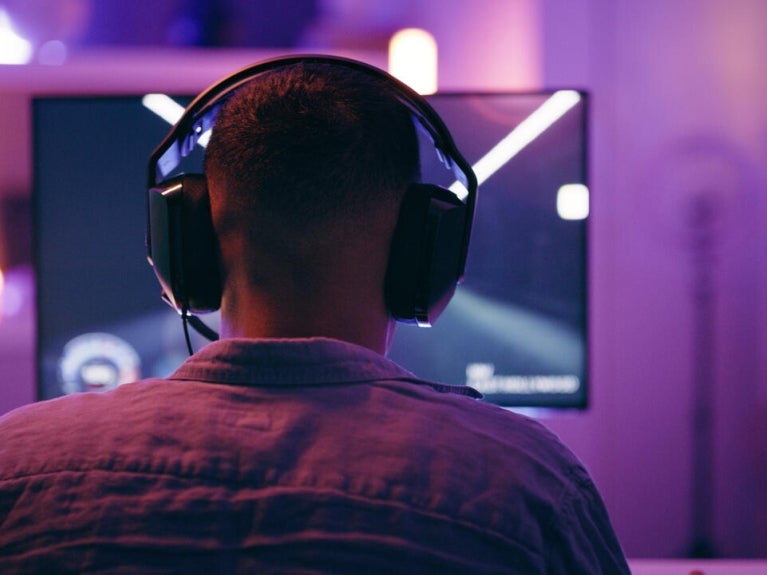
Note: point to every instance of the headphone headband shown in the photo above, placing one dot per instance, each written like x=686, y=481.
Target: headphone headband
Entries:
x=200, y=116
x=428, y=254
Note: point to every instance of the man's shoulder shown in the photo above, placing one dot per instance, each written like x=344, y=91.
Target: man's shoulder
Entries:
x=44, y=429
x=493, y=425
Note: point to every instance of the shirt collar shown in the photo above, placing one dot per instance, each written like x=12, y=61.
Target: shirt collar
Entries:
x=309, y=361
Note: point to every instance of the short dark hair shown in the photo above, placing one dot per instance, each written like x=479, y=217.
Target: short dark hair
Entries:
x=310, y=141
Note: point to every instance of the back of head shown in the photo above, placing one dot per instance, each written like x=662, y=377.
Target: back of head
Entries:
x=305, y=156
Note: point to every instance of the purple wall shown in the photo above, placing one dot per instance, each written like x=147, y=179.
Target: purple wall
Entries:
x=679, y=141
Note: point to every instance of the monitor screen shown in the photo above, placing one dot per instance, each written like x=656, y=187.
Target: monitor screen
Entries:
x=516, y=328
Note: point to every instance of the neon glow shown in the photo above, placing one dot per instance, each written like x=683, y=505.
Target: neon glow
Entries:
x=525, y=132
x=573, y=202
x=164, y=106
x=170, y=111
x=413, y=59
x=14, y=49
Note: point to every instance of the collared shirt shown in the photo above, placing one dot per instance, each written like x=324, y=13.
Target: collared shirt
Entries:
x=292, y=456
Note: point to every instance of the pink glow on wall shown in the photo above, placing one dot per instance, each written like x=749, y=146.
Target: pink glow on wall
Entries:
x=486, y=44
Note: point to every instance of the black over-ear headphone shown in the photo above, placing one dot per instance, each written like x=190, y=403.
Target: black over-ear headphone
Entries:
x=431, y=241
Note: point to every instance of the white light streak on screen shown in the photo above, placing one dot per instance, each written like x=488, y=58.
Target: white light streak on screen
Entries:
x=170, y=111
x=525, y=132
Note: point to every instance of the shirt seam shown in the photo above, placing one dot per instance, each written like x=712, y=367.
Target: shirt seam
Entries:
x=465, y=391
x=408, y=505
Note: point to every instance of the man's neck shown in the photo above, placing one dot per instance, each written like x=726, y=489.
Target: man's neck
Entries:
x=365, y=325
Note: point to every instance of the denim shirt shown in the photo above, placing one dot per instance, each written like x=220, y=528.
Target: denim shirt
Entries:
x=293, y=456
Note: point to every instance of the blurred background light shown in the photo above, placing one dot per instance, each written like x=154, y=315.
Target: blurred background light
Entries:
x=14, y=49
x=52, y=53
x=573, y=202
x=413, y=59
x=2, y=293
x=16, y=291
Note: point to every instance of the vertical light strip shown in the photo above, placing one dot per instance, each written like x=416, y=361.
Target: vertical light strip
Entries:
x=525, y=132
x=413, y=59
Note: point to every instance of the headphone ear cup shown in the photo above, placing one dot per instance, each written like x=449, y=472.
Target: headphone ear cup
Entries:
x=183, y=248
x=425, y=258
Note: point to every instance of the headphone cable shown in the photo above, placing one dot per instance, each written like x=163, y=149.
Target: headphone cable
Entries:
x=199, y=326
x=185, y=322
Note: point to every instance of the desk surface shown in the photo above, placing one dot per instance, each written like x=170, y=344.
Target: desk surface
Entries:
x=698, y=567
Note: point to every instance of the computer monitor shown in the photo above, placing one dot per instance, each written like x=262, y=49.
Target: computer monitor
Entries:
x=516, y=329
